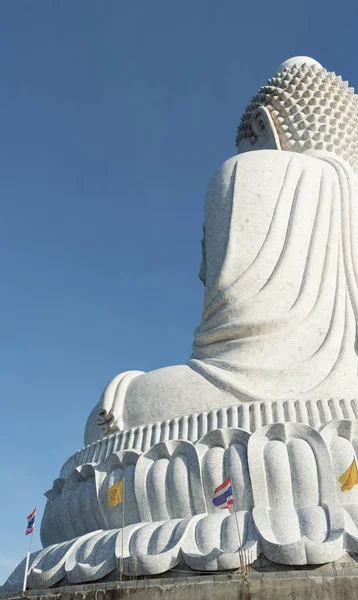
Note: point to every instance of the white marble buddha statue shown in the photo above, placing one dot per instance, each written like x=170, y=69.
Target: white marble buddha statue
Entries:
x=280, y=264
x=269, y=395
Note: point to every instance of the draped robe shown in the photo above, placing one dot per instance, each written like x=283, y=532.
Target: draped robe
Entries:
x=280, y=310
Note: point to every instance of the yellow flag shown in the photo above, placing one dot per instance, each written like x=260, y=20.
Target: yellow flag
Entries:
x=115, y=493
x=349, y=477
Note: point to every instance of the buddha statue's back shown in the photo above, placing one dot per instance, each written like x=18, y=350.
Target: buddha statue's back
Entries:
x=279, y=264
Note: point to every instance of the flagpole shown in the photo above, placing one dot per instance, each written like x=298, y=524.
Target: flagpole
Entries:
x=241, y=551
x=122, y=540
x=27, y=563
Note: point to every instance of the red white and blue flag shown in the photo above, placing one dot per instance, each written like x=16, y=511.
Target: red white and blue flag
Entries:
x=31, y=522
x=223, y=497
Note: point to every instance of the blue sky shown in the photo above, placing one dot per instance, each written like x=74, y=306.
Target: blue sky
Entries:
x=114, y=115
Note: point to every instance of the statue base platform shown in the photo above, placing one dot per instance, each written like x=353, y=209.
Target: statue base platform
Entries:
x=288, y=502
x=334, y=581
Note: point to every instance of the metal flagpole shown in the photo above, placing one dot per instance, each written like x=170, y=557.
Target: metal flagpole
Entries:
x=27, y=563
x=241, y=551
x=122, y=549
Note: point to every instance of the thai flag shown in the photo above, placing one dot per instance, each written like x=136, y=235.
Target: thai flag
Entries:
x=31, y=522
x=223, y=497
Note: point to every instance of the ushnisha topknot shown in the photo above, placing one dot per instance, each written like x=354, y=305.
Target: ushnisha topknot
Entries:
x=311, y=109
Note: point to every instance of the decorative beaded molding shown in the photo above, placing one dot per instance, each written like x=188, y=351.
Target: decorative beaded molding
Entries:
x=249, y=416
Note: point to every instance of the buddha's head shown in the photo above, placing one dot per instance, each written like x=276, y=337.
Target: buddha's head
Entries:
x=303, y=107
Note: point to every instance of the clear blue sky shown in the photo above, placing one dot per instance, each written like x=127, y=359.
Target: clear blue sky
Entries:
x=114, y=115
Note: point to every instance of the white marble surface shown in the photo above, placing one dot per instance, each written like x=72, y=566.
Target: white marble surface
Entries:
x=279, y=263
x=278, y=321
x=289, y=505
x=302, y=107
x=248, y=415
x=297, y=61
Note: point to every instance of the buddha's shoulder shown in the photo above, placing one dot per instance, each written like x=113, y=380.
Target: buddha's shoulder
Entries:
x=266, y=158
x=258, y=163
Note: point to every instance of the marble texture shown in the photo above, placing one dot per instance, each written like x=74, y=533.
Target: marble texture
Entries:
x=282, y=478
x=289, y=505
x=296, y=512
x=191, y=427
x=305, y=107
x=279, y=264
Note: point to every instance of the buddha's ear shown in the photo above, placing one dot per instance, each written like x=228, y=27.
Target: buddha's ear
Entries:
x=264, y=129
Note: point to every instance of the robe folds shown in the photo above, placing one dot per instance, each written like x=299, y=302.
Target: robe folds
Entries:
x=280, y=313
x=281, y=300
